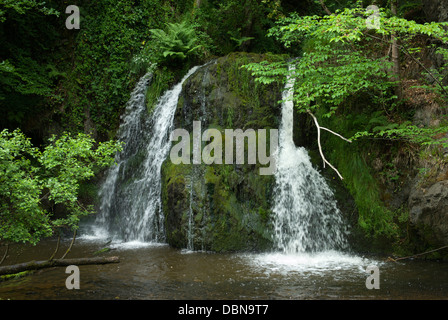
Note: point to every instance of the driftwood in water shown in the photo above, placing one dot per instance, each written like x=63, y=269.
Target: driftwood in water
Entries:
x=36, y=265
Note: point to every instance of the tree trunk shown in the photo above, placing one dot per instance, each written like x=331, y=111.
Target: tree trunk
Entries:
x=322, y=3
x=196, y=6
x=248, y=15
x=36, y=265
x=395, y=55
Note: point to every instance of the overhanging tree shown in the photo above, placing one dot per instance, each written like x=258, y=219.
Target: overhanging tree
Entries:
x=343, y=57
x=29, y=176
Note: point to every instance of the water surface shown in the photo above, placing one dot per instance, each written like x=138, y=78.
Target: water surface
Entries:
x=156, y=271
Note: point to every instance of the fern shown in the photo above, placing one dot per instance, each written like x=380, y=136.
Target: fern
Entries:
x=235, y=36
x=179, y=41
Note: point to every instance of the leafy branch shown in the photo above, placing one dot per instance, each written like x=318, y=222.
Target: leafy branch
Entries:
x=410, y=133
x=30, y=175
x=341, y=60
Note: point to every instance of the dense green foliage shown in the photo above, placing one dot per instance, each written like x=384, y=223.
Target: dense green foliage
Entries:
x=33, y=181
x=27, y=72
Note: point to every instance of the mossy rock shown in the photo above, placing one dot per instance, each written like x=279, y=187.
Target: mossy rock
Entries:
x=222, y=207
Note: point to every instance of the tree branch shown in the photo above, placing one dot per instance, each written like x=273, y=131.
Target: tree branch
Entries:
x=416, y=255
x=322, y=3
x=393, y=45
x=406, y=51
x=319, y=143
x=6, y=253
x=71, y=245
x=36, y=265
x=336, y=134
x=57, y=248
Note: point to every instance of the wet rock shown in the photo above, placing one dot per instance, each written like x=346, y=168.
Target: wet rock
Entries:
x=221, y=207
x=429, y=212
x=436, y=10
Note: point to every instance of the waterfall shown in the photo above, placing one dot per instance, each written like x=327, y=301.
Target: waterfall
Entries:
x=190, y=231
x=130, y=197
x=306, y=217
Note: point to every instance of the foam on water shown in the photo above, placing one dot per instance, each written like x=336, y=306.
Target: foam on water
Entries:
x=136, y=244
x=101, y=236
x=314, y=263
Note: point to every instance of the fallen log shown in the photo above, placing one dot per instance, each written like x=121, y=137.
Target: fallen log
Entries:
x=415, y=255
x=37, y=265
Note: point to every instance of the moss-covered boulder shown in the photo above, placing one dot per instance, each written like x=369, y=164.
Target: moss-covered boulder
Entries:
x=222, y=207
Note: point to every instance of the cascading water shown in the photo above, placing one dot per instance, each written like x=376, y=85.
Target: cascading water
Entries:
x=306, y=218
x=130, y=207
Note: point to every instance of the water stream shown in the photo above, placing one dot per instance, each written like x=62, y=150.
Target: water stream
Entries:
x=130, y=208
x=305, y=213
x=156, y=271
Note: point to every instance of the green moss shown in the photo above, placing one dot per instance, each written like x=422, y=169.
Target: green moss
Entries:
x=161, y=81
x=174, y=174
x=377, y=226
x=230, y=203
x=251, y=95
x=15, y=276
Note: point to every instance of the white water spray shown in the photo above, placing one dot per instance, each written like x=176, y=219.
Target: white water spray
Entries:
x=306, y=217
x=130, y=207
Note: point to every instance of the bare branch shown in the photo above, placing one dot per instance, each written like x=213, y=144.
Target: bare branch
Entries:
x=71, y=245
x=336, y=134
x=6, y=254
x=319, y=143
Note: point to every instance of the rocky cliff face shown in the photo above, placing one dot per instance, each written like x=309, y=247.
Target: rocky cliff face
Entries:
x=429, y=212
x=436, y=10
x=221, y=207
x=428, y=195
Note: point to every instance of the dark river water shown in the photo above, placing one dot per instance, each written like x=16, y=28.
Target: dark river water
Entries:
x=157, y=271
